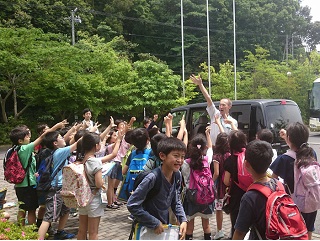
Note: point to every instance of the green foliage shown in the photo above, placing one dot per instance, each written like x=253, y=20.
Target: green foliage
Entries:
x=13, y=231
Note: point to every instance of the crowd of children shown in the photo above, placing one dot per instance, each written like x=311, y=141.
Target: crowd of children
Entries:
x=183, y=179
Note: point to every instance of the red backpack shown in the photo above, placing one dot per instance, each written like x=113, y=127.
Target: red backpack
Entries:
x=201, y=187
x=283, y=218
x=244, y=177
x=14, y=172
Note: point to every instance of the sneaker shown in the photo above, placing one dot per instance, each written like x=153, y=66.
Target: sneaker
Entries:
x=60, y=235
x=112, y=207
x=118, y=203
x=219, y=235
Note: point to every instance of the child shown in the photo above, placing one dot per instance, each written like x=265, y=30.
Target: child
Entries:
x=89, y=216
x=154, y=213
x=222, y=152
x=253, y=203
x=25, y=191
x=196, y=151
x=237, y=142
x=297, y=135
x=55, y=207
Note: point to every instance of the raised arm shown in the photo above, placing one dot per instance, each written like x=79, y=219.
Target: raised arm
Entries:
x=182, y=127
x=115, y=150
x=107, y=130
x=198, y=81
x=218, y=122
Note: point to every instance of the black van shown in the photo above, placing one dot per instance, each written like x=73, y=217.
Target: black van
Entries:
x=252, y=115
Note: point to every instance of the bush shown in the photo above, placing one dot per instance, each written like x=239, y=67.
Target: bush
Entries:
x=13, y=231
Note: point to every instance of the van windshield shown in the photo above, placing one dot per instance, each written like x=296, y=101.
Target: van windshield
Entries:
x=279, y=116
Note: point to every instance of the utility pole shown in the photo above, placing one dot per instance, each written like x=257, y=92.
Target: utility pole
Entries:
x=182, y=51
x=73, y=20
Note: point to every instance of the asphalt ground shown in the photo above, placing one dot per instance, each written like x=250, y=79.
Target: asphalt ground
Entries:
x=114, y=225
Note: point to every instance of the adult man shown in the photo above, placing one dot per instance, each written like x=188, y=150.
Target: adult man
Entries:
x=227, y=122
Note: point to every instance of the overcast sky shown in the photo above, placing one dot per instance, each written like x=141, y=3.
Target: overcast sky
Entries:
x=315, y=8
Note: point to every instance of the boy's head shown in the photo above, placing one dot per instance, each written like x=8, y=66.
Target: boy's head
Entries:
x=139, y=138
x=153, y=131
x=86, y=113
x=259, y=155
x=172, y=152
x=154, y=142
x=53, y=140
x=146, y=122
x=41, y=128
x=265, y=135
x=20, y=135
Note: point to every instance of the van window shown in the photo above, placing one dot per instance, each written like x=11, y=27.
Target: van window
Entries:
x=278, y=116
x=242, y=114
x=177, y=116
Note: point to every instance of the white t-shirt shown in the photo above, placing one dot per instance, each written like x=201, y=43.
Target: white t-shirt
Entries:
x=212, y=111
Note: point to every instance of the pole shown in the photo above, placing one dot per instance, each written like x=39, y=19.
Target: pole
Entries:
x=72, y=27
x=234, y=50
x=182, y=51
x=208, y=37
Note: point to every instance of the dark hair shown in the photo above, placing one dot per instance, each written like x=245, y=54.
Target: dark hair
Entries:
x=259, y=154
x=265, y=135
x=64, y=131
x=79, y=134
x=18, y=133
x=146, y=120
x=154, y=142
x=196, y=148
x=40, y=128
x=139, y=138
x=118, y=121
x=49, y=138
x=298, y=135
x=222, y=145
x=86, y=110
x=110, y=135
x=169, y=144
x=153, y=131
x=89, y=141
x=237, y=140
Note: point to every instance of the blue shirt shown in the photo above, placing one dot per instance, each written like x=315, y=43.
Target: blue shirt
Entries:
x=59, y=156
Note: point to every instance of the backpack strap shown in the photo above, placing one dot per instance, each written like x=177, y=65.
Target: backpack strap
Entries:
x=265, y=190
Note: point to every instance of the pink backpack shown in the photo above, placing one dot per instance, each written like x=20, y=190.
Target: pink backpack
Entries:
x=244, y=177
x=75, y=191
x=307, y=187
x=201, y=186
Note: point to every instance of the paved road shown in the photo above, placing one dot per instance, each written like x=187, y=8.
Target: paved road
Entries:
x=115, y=225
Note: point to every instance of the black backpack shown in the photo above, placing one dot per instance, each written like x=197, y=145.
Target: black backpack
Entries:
x=45, y=170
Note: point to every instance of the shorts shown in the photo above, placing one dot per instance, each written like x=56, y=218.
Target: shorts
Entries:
x=27, y=195
x=310, y=219
x=94, y=209
x=55, y=206
x=116, y=172
x=218, y=203
x=42, y=198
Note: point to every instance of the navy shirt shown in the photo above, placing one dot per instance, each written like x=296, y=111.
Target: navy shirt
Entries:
x=156, y=210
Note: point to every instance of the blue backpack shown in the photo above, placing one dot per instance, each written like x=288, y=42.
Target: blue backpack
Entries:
x=138, y=160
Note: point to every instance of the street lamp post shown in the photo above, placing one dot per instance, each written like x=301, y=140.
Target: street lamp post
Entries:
x=234, y=49
x=182, y=52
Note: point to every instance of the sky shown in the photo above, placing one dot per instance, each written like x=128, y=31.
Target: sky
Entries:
x=315, y=7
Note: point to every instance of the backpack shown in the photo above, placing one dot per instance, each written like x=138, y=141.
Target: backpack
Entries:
x=307, y=187
x=283, y=218
x=75, y=191
x=136, y=166
x=45, y=170
x=244, y=177
x=14, y=172
x=201, y=185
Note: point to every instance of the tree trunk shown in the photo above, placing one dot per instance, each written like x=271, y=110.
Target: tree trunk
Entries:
x=15, y=104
